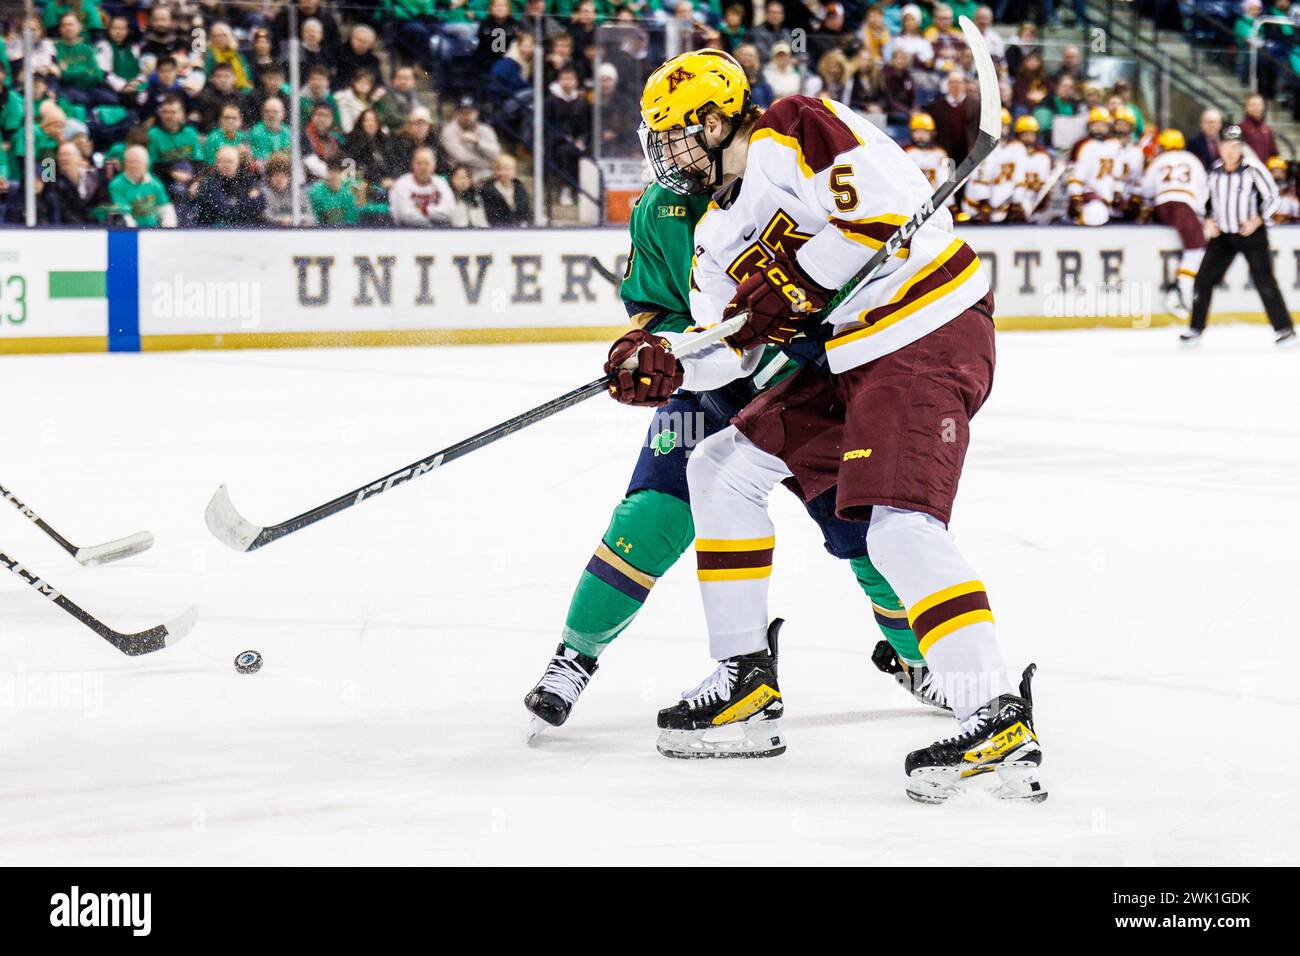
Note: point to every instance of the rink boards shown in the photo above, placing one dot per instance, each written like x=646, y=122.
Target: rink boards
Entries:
x=125, y=291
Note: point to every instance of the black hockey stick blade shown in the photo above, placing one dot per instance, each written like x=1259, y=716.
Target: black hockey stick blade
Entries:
x=235, y=531
x=133, y=645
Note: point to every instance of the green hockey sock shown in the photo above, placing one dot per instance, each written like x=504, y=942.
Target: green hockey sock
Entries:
x=648, y=532
x=889, y=611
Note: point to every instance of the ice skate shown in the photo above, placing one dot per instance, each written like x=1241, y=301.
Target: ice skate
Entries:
x=1175, y=304
x=735, y=712
x=1286, y=339
x=917, y=680
x=1190, y=338
x=552, y=700
x=997, y=750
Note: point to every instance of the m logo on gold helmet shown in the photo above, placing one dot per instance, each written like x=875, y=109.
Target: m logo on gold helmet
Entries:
x=678, y=77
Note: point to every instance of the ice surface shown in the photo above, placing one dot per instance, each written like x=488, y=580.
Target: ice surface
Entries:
x=1132, y=509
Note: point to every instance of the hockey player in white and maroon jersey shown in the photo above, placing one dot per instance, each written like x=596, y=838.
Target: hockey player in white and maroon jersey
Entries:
x=1130, y=164
x=930, y=158
x=1174, y=187
x=1288, y=206
x=803, y=194
x=993, y=185
x=1091, y=180
x=1033, y=174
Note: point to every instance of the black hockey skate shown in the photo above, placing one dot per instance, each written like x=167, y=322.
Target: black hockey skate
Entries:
x=735, y=713
x=552, y=700
x=916, y=679
x=997, y=739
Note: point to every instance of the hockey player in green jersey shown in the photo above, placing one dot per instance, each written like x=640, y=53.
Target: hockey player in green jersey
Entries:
x=652, y=527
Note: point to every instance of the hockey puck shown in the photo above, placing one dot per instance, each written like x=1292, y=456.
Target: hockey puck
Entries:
x=248, y=662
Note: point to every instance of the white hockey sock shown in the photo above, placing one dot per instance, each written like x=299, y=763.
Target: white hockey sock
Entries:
x=1188, y=265
x=730, y=479
x=946, y=605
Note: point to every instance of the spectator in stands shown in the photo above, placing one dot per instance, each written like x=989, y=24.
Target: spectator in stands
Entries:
x=748, y=57
x=510, y=87
x=735, y=24
x=136, y=191
x=495, y=33
x=1026, y=39
x=333, y=201
x=568, y=125
x=772, y=30
x=356, y=55
x=261, y=56
x=278, y=190
x=919, y=52
x=416, y=134
x=468, y=212
x=875, y=34
x=830, y=32
x=165, y=83
x=320, y=140
x=414, y=27
x=376, y=156
x=78, y=190
x=559, y=54
x=505, y=200
x=270, y=134
x=472, y=143
x=117, y=57
x=1288, y=209
x=222, y=49
x=1031, y=86
x=312, y=51
x=864, y=93
x=270, y=85
x=956, y=117
x=992, y=39
x=399, y=98
x=834, y=78
x=782, y=73
x=622, y=114
x=1205, y=144
x=160, y=38
x=1063, y=101
x=535, y=11
x=317, y=93
x=945, y=39
x=1256, y=133
x=308, y=10
x=355, y=100
x=174, y=148
x=229, y=132
x=219, y=93
x=81, y=80
x=421, y=197
x=228, y=194
x=898, y=89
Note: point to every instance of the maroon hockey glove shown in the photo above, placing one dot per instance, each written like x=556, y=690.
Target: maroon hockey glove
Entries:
x=777, y=297
x=653, y=378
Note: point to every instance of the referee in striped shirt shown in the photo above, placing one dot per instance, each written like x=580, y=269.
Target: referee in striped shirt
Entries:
x=1242, y=196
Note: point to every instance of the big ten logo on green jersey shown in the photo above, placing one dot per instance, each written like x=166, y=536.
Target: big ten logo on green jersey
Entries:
x=13, y=299
x=780, y=235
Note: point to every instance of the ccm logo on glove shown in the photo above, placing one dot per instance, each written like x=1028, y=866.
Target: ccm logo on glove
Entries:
x=776, y=297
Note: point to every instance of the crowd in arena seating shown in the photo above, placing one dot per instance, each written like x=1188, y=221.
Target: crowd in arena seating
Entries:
x=419, y=113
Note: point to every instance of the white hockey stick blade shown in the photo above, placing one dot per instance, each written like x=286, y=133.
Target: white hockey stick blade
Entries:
x=228, y=525
x=114, y=550
x=181, y=625
x=990, y=95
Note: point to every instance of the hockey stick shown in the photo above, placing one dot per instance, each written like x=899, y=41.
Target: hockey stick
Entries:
x=133, y=645
x=235, y=531
x=990, y=134
x=86, y=557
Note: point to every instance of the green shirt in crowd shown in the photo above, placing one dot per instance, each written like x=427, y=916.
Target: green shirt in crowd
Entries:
x=215, y=140
x=333, y=208
x=141, y=199
x=263, y=142
x=165, y=147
